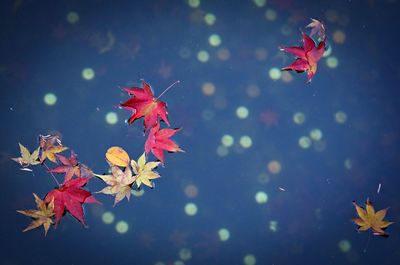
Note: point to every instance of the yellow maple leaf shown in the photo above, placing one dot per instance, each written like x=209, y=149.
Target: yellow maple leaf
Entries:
x=368, y=218
x=42, y=216
x=119, y=182
x=144, y=171
x=26, y=158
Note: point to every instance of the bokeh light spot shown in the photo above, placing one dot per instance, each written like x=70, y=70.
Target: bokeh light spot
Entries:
x=72, y=17
x=253, y=91
x=191, y=209
x=122, y=227
x=245, y=141
x=348, y=164
x=50, y=99
x=242, y=112
x=208, y=88
x=304, y=142
x=210, y=18
x=339, y=36
x=271, y=14
x=332, y=62
x=185, y=254
x=340, y=117
x=214, y=40
x=107, y=217
x=299, y=118
x=222, y=150
x=111, y=118
x=273, y=225
x=249, y=259
x=223, y=54
x=274, y=167
x=274, y=73
x=227, y=140
x=203, y=56
x=194, y=3
x=137, y=193
x=191, y=191
x=260, y=3
x=88, y=73
x=261, y=197
x=223, y=234
x=263, y=178
x=344, y=245
x=316, y=134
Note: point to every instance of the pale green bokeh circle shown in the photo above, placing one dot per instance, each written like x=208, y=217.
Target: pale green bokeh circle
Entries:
x=227, y=140
x=299, y=118
x=222, y=150
x=223, y=234
x=242, y=112
x=316, y=134
x=137, y=193
x=203, y=56
x=210, y=19
x=340, y=117
x=246, y=141
x=111, y=118
x=72, y=17
x=185, y=254
x=122, y=227
x=274, y=73
x=273, y=225
x=344, y=245
x=107, y=217
x=88, y=73
x=261, y=197
x=214, y=40
x=194, y=3
x=249, y=259
x=260, y=3
x=191, y=209
x=271, y=14
x=305, y=142
x=332, y=62
x=50, y=99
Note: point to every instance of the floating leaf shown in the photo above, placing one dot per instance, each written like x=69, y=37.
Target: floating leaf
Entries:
x=144, y=171
x=26, y=158
x=117, y=156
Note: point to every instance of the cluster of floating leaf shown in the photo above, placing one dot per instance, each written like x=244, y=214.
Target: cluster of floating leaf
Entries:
x=126, y=174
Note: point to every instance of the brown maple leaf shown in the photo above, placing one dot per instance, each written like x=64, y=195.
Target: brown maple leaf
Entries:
x=368, y=218
x=119, y=182
x=42, y=216
x=50, y=145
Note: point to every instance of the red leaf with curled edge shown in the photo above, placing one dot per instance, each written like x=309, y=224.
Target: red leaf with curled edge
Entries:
x=69, y=165
x=143, y=104
x=158, y=141
x=70, y=196
x=307, y=55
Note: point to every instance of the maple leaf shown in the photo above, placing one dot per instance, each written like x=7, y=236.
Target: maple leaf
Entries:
x=42, y=216
x=119, y=183
x=317, y=28
x=50, y=145
x=158, y=140
x=307, y=56
x=143, y=104
x=144, y=171
x=69, y=165
x=70, y=196
x=368, y=218
x=26, y=158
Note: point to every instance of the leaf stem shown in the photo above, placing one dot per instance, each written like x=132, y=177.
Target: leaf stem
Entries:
x=168, y=88
x=51, y=173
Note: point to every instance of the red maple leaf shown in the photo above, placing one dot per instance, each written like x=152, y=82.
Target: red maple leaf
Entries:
x=69, y=165
x=158, y=140
x=143, y=104
x=70, y=196
x=307, y=56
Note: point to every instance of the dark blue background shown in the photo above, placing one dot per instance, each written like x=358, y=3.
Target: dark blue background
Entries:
x=41, y=52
